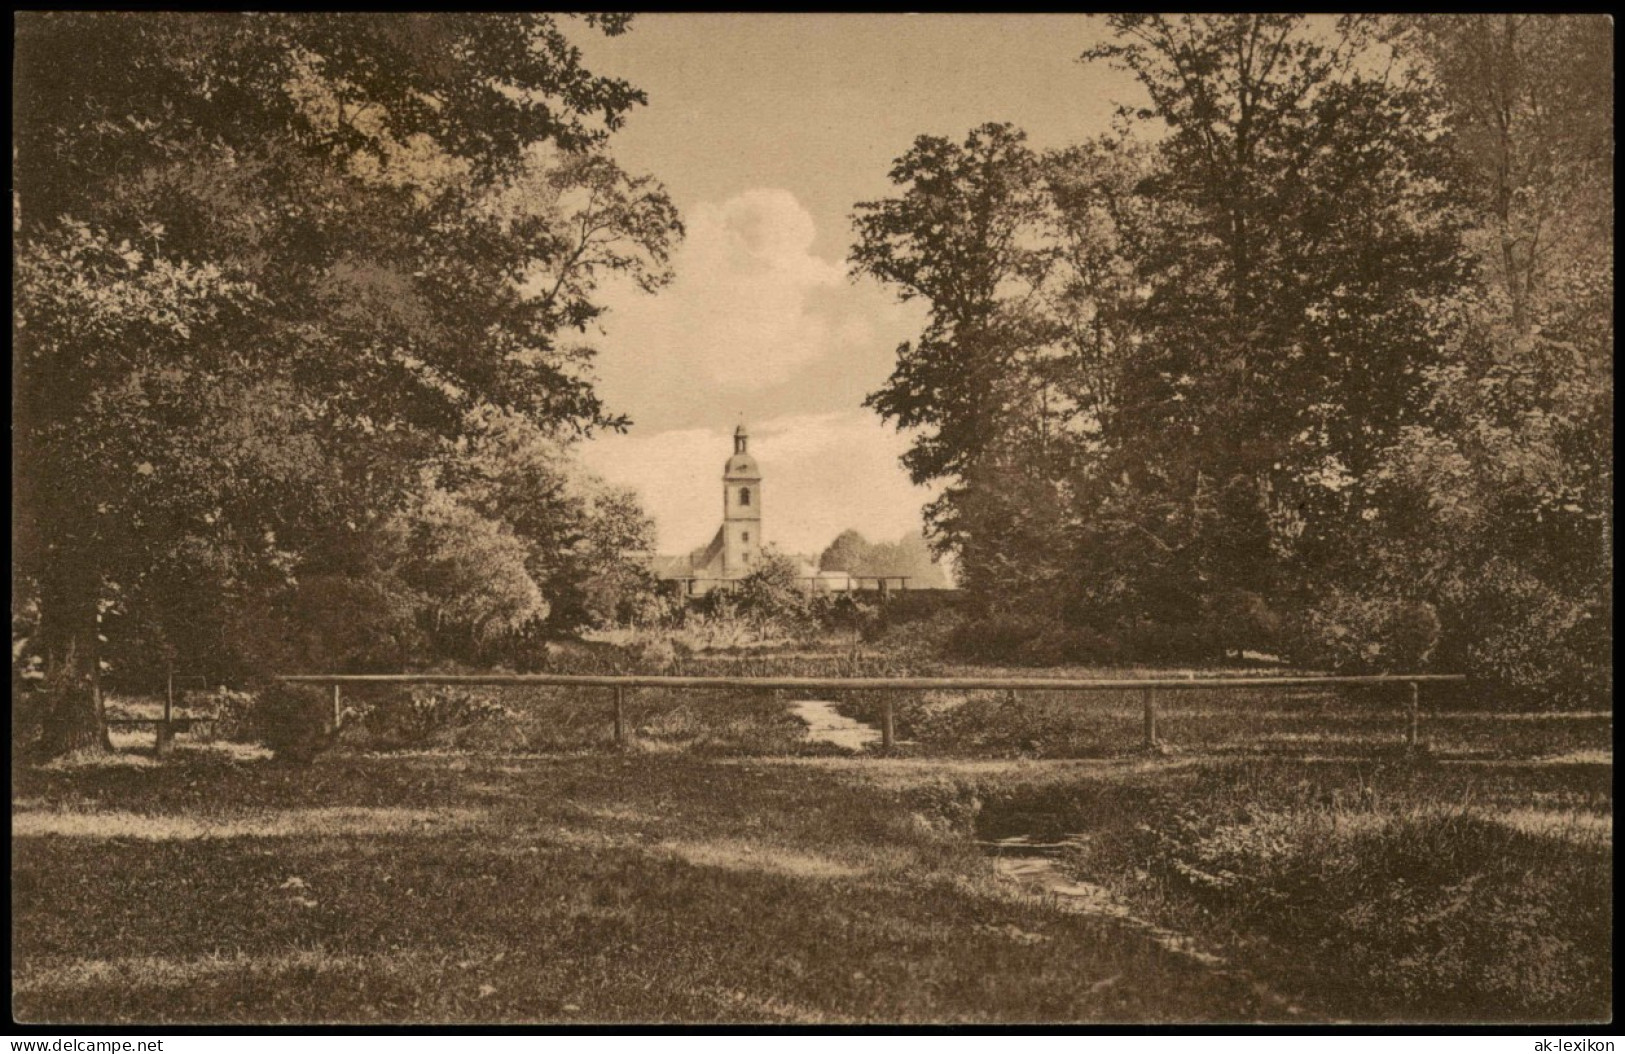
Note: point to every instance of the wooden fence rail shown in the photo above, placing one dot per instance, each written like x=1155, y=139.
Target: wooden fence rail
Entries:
x=1148, y=687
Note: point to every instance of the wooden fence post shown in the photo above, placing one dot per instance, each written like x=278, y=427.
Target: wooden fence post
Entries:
x=1150, y=719
x=620, y=716
x=338, y=707
x=888, y=735
x=166, y=731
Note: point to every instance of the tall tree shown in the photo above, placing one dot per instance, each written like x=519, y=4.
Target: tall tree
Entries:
x=583, y=539
x=1530, y=98
x=1305, y=240
x=1500, y=503
x=268, y=263
x=956, y=238
x=965, y=235
x=845, y=553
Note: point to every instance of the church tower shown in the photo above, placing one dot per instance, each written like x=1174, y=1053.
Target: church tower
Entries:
x=741, y=510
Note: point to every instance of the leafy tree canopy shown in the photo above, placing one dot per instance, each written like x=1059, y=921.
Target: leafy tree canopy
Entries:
x=1321, y=328
x=269, y=266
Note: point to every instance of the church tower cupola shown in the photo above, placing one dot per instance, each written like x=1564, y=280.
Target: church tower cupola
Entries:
x=741, y=509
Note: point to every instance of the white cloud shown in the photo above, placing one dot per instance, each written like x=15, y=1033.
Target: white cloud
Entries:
x=738, y=315
x=757, y=325
x=822, y=473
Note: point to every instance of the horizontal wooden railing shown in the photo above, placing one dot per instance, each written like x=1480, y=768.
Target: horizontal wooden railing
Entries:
x=1148, y=686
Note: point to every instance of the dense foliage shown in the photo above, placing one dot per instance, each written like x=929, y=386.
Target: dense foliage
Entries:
x=1309, y=356
x=300, y=309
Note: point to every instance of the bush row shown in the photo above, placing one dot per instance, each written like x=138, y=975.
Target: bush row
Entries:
x=1342, y=632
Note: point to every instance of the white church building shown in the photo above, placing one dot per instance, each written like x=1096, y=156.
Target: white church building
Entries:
x=736, y=549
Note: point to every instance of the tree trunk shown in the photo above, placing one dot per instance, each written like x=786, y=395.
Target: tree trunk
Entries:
x=75, y=718
x=75, y=721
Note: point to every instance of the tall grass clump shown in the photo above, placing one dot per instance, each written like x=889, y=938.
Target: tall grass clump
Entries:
x=1430, y=913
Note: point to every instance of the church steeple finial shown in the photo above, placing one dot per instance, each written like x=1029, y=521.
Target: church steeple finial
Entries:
x=741, y=439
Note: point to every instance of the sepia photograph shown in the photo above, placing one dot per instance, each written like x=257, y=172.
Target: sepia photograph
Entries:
x=811, y=520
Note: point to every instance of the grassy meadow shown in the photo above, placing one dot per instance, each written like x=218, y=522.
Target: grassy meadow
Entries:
x=492, y=858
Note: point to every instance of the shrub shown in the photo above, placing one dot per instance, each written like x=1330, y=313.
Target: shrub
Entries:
x=656, y=655
x=1410, y=634
x=1242, y=620
x=425, y=715
x=773, y=593
x=1029, y=640
x=922, y=636
x=295, y=721
x=1059, y=645
x=843, y=611
x=235, y=713
x=1350, y=631
x=1148, y=641
x=652, y=608
x=582, y=657
x=340, y=622
x=1534, y=641
x=1435, y=910
x=994, y=638
x=710, y=631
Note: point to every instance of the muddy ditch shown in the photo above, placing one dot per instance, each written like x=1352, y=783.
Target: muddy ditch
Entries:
x=1043, y=845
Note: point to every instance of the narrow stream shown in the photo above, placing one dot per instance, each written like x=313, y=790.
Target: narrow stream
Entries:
x=826, y=725
x=1035, y=864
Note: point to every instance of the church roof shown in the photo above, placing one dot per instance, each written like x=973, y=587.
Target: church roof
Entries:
x=702, y=560
x=671, y=566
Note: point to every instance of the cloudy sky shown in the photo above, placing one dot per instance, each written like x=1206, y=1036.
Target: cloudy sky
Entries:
x=765, y=130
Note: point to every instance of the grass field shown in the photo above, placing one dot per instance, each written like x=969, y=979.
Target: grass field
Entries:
x=724, y=869
x=668, y=887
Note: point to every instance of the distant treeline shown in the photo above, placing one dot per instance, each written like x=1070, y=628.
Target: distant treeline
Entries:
x=908, y=557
